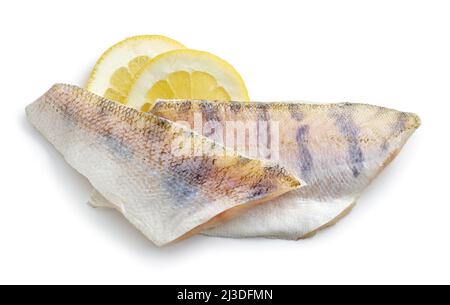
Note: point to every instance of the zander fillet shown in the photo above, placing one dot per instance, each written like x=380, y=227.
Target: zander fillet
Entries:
x=337, y=149
x=128, y=156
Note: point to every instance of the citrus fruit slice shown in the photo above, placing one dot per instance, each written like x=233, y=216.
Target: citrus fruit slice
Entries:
x=116, y=69
x=186, y=74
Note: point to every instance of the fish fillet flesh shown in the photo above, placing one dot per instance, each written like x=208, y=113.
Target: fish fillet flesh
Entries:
x=131, y=159
x=337, y=149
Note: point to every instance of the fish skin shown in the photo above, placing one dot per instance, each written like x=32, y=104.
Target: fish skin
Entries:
x=337, y=149
x=126, y=155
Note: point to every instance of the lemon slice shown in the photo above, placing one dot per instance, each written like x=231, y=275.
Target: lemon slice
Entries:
x=186, y=74
x=116, y=69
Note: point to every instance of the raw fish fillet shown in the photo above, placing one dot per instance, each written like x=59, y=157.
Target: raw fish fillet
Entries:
x=337, y=149
x=130, y=158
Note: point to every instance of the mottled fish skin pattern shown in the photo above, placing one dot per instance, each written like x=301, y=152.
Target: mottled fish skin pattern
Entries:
x=337, y=149
x=127, y=156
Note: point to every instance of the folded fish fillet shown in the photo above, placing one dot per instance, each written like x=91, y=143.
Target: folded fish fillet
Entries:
x=128, y=157
x=337, y=149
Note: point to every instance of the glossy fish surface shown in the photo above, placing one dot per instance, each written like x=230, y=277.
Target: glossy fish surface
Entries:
x=337, y=149
x=131, y=158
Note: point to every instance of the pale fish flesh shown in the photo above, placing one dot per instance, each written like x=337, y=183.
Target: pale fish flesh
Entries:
x=337, y=149
x=128, y=157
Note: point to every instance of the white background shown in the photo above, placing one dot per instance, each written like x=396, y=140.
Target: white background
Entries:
x=390, y=53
